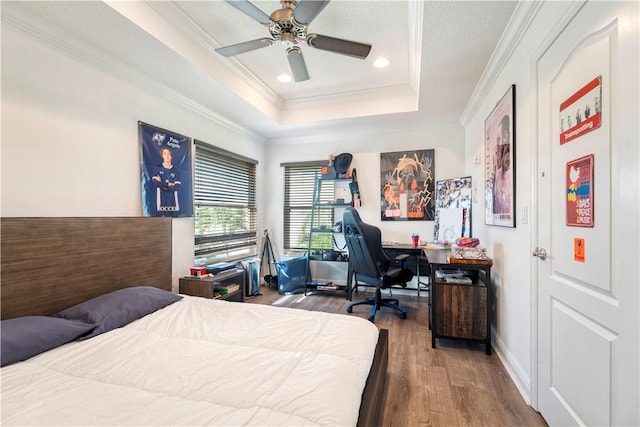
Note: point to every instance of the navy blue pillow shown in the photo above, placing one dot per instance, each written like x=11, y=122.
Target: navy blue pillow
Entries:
x=24, y=337
x=118, y=308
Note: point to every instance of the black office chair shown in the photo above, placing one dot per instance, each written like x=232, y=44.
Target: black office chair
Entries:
x=370, y=265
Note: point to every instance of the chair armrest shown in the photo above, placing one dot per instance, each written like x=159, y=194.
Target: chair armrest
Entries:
x=402, y=257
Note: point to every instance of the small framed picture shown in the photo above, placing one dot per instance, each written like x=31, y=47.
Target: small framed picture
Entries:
x=579, y=183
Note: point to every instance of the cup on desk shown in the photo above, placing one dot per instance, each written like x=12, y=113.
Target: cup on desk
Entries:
x=415, y=239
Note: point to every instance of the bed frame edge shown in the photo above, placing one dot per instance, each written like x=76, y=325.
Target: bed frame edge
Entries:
x=372, y=405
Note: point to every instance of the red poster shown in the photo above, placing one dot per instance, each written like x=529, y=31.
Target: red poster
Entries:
x=581, y=112
x=580, y=192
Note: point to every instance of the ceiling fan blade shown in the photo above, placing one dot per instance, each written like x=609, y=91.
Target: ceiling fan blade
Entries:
x=297, y=64
x=235, y=49
x=251, y=11
x=307, y=10
x=343, y=47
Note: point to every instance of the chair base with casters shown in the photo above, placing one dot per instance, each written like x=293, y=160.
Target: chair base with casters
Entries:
x=378, y=302
x=393, y=276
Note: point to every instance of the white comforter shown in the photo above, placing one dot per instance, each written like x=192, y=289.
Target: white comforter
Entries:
x=200, y=362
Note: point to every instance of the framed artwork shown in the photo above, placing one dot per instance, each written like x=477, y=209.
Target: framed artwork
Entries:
x=579, y=182
x=500, y=155
x=581, y=112
x=165, y=163
x=452, y=194
x=407, y=185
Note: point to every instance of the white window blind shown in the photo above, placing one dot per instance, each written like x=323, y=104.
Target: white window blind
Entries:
x=299, y=182
x=225, y=204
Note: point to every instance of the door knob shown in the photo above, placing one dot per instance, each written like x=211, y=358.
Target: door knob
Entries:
x=540, y=253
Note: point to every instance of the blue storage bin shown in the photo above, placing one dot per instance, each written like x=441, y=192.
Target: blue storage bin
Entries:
x=292, y=275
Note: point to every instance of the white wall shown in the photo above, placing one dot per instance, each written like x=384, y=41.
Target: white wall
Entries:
x=365, y=147
x=447, y=140
x=70, y=138
x=510, y=248
x=70, y=148
x=70, y=145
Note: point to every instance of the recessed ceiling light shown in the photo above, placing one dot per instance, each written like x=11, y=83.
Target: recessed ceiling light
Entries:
x=381, y=63
x=284, y=78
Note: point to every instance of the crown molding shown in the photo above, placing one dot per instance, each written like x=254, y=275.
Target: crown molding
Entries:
x=158, y=27
x=77, y=49
x=316, y=108
x=337, y=134
x=362, y=103
x=522, y=17
x=416, y=26
x=171, y=12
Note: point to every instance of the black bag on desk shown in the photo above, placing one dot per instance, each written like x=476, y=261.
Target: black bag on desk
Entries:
x=292, y=275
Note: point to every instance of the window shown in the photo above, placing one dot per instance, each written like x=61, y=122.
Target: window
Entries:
x=225, y=205
x=299, y=183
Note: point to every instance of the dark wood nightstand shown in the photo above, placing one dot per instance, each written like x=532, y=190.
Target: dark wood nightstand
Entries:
x=204, y=287
x=460, y=310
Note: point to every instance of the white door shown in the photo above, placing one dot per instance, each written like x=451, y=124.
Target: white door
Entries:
x=588, y=218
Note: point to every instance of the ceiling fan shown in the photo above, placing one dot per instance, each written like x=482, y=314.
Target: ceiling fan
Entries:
x=288, y=25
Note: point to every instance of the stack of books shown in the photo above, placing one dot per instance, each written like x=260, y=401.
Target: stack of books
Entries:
x=327, y=287
x=225, y=288
x=202, y=276
x=462, y=280
x=453, y=276
x=437, y=245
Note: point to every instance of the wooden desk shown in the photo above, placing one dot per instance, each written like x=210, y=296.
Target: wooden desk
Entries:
x=460, y=311
x=413, y=263
x=392, y=250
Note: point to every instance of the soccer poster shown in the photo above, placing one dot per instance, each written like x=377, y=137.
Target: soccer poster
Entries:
x=165, y=162
x=580, y=192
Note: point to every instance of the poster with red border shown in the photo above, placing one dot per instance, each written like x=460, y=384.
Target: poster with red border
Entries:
x=581, y=112
x=579, y=184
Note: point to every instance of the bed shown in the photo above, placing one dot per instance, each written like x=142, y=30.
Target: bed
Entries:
x=189, y=361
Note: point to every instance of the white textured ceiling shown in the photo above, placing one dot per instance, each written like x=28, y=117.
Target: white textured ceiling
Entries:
x=342, y=19
x=438, y=51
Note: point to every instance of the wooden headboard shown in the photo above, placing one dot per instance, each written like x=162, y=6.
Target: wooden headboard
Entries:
x=49, y=264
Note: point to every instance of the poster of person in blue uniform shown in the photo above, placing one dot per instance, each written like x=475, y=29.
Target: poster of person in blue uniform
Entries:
x=166, y=172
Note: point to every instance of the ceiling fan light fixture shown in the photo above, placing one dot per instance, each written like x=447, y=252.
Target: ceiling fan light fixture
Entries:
x=288, y=25
x=381, y=62
x=287, y=40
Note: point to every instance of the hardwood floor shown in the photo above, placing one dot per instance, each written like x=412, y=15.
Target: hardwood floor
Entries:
x=455, y=384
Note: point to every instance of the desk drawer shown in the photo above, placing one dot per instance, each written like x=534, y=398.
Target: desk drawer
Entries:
x=461, y=310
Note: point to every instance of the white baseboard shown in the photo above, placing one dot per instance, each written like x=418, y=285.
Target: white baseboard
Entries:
x=518, y=375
